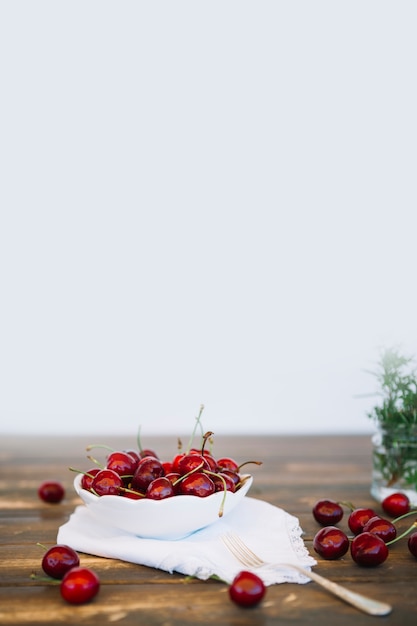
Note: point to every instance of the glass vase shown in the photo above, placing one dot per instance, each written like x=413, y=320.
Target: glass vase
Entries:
x=394, y=462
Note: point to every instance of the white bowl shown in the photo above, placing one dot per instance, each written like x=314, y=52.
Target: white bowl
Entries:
x=171, y=518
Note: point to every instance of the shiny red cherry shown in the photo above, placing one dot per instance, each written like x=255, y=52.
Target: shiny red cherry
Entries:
x=88, y=477
x=58, y=560
x=160, y=488
x=247, y=589
x=148, y=452
x=412, y=544
x=175, y=462
x=197, y=484
x=191, y=462
x=327, y=512
x=381, y=527
x=107, y=483
x=396, y=504
x=234, y=476
x=79, y=585
x=51, y=492
x=368, y=550
x=222, y=481
x=147, y=470
x=331, y=543
x=226, y=463
x=358, y=518
x=121, y=463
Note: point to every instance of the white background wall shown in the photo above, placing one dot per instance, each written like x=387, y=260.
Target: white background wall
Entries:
x=204, y=202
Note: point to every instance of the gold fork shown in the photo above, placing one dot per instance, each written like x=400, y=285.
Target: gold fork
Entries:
x=249, y=559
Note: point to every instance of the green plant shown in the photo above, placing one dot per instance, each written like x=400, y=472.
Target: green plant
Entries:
x=398, y=390
x=396, y=416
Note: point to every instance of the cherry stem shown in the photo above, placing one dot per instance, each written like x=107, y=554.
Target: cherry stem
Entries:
x=205, y=437
x=197, y=422
x=404, y=534
x=398, y=519
x=248, y=462
x=138, y=440
x=41, y=545
x=126, y=489
x=221, y=509
x=99, y=445
x=77, y=471
x=45, y=579
x=95, y=461
x=348, y=504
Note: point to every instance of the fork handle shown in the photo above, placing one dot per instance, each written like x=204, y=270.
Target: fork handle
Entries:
x=372, y=607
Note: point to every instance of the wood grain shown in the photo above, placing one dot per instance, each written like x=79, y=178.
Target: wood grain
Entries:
x=296, y=471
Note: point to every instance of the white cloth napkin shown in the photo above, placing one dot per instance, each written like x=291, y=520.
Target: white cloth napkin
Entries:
x=272, y=533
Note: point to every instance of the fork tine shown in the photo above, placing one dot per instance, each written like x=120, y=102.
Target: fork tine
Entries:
x=240, y=551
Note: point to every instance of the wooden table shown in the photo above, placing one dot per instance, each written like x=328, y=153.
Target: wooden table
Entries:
x=296, y=472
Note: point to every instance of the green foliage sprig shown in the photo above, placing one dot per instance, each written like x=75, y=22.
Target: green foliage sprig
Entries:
x=398, y=383
x=396, y=458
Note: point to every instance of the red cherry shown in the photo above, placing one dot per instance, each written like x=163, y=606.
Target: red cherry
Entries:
x=247, y=589
x=226, y=463
x=160, y=488
x=175, y=462
x=167, y=465
x=412, y=544
x=358, y=518
x=51, y=491
x=88, y=477
x=368, y=550
x=58, y=560
x=134, y=454
x=79, y=585
x=147, y=452
x=220, y=485
x=234, y=476
x=331, y=543
x=327, y=512
x=121, y=463
x=147, y=470
x=197, y=484
x=191, y=462
x=107, y=483
x=381, y=527
x=396, y=504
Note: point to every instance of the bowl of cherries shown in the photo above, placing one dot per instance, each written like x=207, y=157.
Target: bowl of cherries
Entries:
x=137, y=492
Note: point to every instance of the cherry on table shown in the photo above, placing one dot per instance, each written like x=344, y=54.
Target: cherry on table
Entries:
x=247, y=589
x=368, y=549
x=358, y=518
x=412, y=544
x=327, y=512
x=51, y=492
x=381, y=527
x=79, y=585
x=396, y=504
x=331, y=543
x=58, y=560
